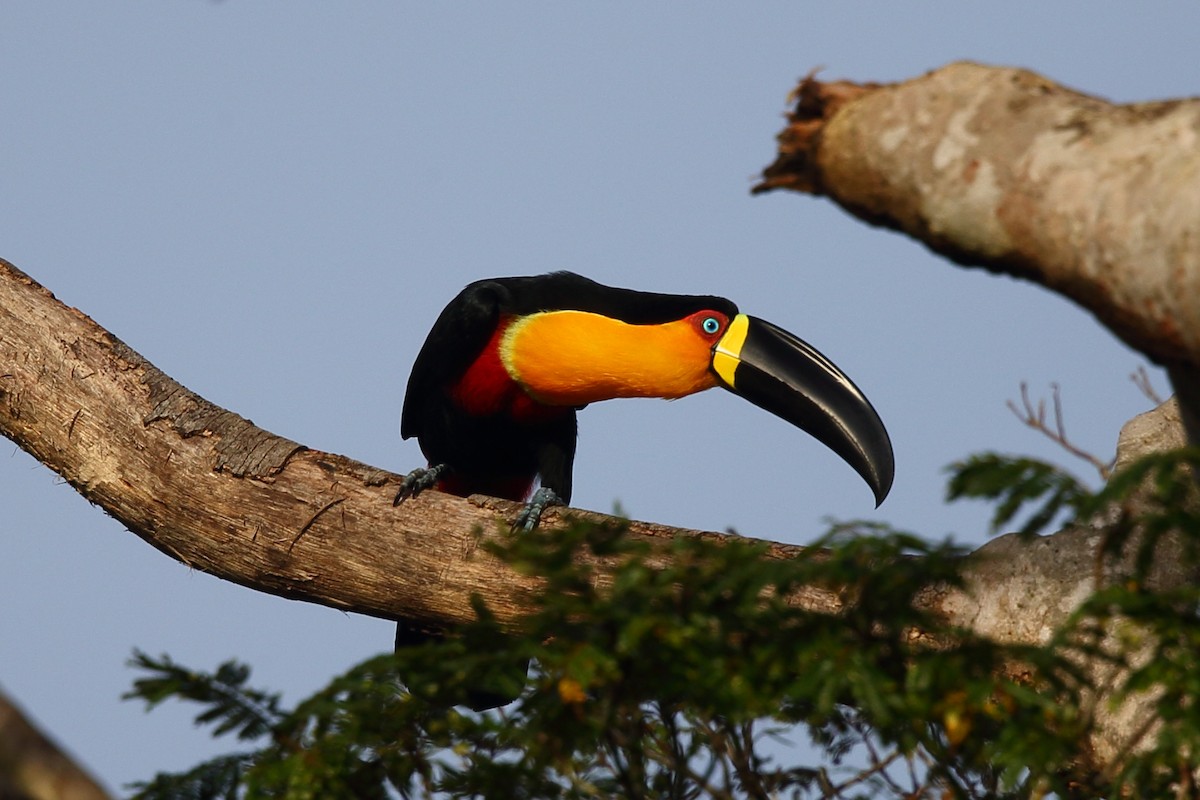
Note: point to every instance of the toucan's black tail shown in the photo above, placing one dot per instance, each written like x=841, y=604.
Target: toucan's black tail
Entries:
x=488, y=694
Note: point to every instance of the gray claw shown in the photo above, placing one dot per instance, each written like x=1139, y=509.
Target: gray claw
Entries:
x=531, y=514
x=418, y=481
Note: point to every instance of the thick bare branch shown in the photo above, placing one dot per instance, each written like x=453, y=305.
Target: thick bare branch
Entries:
x=1004, y=169
x=221, y=495
x=33, y=767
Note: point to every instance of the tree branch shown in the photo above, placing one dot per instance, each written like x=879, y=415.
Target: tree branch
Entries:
x=1004, y=169
x=217, y=493
x=33, y=767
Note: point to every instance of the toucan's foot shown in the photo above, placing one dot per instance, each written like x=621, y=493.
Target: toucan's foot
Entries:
x=531, y=514
x=419, y=480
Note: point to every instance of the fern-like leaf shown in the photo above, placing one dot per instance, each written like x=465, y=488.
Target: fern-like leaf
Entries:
x=228, y=703
x=1016, y=484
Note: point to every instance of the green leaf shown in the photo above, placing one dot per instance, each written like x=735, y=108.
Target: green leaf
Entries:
x=1015, y=484
x=227, y=703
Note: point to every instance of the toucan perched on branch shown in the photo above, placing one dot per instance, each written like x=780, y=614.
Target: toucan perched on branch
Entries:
x=494, y=391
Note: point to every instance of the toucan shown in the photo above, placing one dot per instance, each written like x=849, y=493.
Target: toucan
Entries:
x=494, y=391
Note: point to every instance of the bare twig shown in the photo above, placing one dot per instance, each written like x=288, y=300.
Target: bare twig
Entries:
x=928, y=764
x=917, y=784
x=878, y=768
x=1035, y=417
x=1141, y=379
x=878, y=761
x=719, y=745
x=744, y=760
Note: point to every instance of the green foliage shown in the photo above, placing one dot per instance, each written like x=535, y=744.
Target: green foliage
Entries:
x=218, y=779
x=688, y=672
x=250, y=713
x=1164, y=626
x=1015, y=483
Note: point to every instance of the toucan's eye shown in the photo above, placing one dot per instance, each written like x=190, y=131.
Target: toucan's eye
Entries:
x=710, y=325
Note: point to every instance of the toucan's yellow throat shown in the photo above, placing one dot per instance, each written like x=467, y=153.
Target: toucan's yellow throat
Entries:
x=573, y=358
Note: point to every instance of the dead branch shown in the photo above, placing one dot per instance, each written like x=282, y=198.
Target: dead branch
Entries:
x=1035, y=417
x=1141, y=379
x=1005, y=169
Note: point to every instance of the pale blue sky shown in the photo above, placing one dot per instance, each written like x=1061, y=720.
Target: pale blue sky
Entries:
x=272, y=201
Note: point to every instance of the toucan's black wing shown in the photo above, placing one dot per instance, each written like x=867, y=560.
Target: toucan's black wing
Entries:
x=486, y=454
x=458, y=336
x=466, y=325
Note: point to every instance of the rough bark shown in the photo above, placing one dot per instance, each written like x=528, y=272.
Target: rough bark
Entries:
x=215, y=492
x=32, y=767
x=1006, y=170
x=1021, y=591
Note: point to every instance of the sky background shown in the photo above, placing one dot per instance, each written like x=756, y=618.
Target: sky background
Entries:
x=273, y=201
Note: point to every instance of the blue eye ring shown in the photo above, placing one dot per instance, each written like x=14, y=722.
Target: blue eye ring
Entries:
x=710, y=325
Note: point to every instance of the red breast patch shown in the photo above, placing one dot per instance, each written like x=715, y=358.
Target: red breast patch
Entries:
x=486, y=389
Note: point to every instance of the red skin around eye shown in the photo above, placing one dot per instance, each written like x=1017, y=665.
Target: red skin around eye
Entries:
x=697, y=321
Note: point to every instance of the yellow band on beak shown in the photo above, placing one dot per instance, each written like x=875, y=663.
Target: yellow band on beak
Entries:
x=727, y=352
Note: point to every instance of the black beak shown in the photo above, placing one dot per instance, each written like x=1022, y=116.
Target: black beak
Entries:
x=788, y=377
